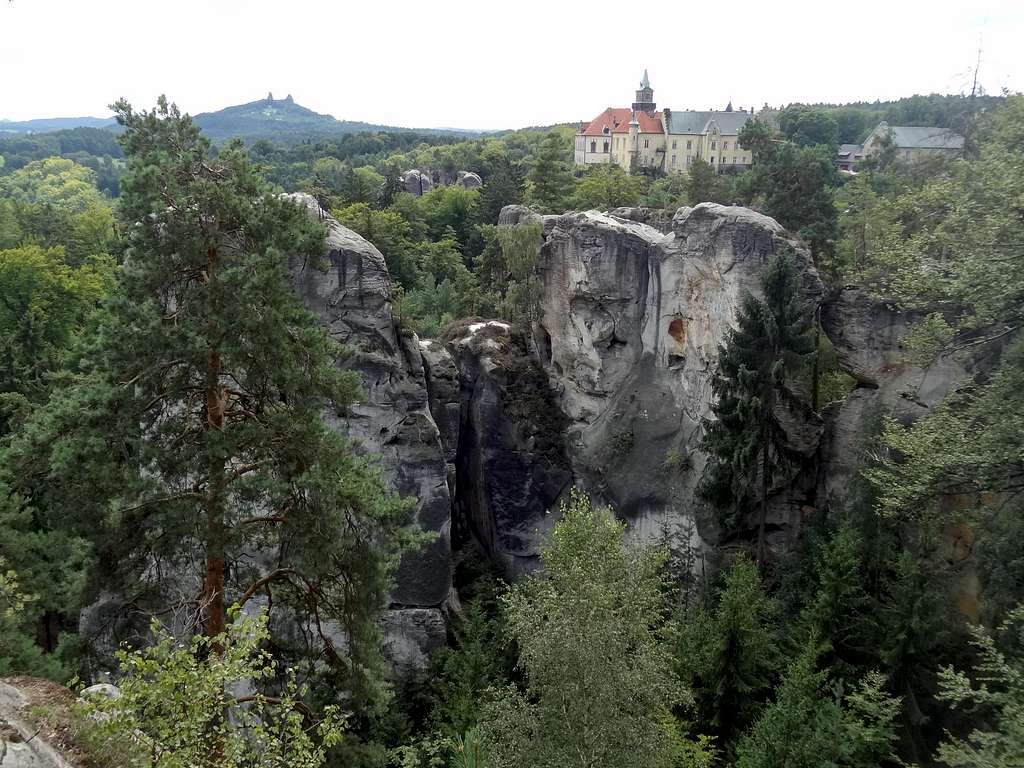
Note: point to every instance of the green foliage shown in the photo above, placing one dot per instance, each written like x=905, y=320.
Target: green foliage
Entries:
x=621, y=443
x=54, y=202
x=505, y=186
x=209, y=379
x=993, y=701
x=960, y=446
x=506, y=272
x=592, y=632
x=604, y=187
x=550, y=181
x=704, y=185
x=669, y=192
x=746, y=441
x=179, y=707
x=44, y=302
x=927, y=339
x=809, y=726
x=806, y=126
x=728, y=654
x=677, y=460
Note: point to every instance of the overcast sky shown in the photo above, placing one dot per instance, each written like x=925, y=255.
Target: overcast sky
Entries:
x=484, y=64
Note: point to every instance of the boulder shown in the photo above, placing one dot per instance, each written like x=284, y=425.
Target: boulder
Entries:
x=416, y=182
x=511, y=215
x=469, y=180
x=659, y=218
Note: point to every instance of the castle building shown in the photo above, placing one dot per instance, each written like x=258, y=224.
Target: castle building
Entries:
x=640, y=136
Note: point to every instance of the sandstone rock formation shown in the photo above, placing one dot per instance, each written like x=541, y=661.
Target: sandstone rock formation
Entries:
x=469, y=180
x=416, y=182
x=510, y=460
x=489, y=425
x=631, y=320
x=353, y=299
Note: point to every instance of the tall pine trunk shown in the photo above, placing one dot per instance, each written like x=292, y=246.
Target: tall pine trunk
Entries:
x=213, y=586
x=764, y=502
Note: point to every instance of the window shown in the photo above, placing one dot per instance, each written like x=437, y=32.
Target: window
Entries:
x=673, y=159
x=689, y=145
x=712, y=159
x=725, y=145
x=647, y=143
x=734, y=159
x=673, y=145
x=606, y=146
x=689, y=159
x=593, y=146
x=714, y=144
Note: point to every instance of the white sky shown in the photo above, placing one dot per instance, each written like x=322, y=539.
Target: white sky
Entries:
x=487, y=64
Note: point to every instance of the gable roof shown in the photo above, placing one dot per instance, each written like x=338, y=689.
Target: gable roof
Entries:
x=691, y=121
x=918, y=137
x=906, y=137
x=850, y=152
x=616, y=119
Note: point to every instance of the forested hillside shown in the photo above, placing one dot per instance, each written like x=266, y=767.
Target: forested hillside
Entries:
x=568, y=469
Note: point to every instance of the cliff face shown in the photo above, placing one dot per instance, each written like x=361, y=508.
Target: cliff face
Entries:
x=489, y=426
x=630, y=326
x=352, y=297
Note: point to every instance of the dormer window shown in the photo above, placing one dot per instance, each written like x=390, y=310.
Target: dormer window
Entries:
x=605, y=130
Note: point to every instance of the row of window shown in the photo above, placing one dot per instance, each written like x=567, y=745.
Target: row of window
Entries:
x=689, y=160
x=689, y=145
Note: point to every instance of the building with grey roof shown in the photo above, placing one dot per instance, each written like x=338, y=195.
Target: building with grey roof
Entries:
x=914, y=142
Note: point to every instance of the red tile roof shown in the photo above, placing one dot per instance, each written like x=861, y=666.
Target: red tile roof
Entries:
x=617, y=120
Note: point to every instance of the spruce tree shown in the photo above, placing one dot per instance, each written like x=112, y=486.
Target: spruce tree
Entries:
x=190, y=443
x=550, y=180
x=746, y=442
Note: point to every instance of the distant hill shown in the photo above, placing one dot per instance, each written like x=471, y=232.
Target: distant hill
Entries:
x=47, y=124
x=274, y=119
x=284, y=120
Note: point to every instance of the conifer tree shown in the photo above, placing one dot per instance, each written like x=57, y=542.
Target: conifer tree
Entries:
x=746, y=441
x=503, y=187
x=190, y=443
x=550, y=180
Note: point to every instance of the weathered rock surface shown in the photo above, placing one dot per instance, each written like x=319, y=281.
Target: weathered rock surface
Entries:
x=22, y=743
x=353, y=299
x=511, y=215
x=416, y=182
x=659, y=218
x=868, y=334
x=631, y=320
x=469, y=180
x=510, y=462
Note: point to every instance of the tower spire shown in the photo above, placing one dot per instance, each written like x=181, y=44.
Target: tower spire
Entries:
x=644, y=101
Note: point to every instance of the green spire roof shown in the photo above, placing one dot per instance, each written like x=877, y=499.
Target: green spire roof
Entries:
x=645, y=83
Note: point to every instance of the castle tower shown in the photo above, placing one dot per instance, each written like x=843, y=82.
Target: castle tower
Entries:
x=634, y=143
x=645, y=97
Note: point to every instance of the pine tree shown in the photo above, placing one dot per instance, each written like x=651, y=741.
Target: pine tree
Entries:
x=746, y=441
x=190, y=443
x=550, y=180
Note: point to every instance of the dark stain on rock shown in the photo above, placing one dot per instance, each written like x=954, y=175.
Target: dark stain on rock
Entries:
x=677, y=330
